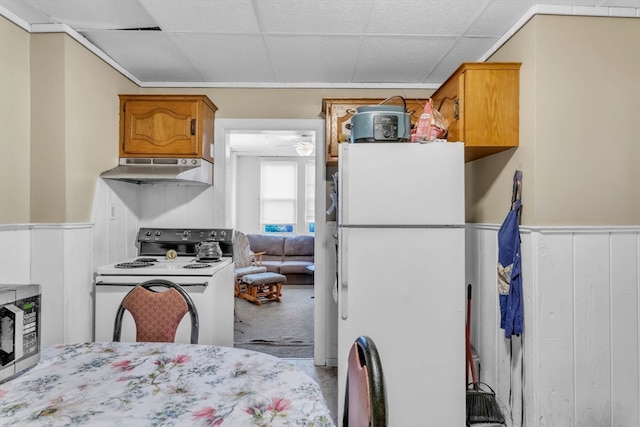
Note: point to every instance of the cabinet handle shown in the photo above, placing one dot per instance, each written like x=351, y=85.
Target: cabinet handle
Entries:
x=193, y=126
x=456, y=109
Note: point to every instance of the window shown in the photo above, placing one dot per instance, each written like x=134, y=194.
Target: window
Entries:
x=278, y=196
x=310, y=197
x=287, y=196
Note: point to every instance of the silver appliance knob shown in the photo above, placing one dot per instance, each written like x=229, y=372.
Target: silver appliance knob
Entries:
x=183, y=161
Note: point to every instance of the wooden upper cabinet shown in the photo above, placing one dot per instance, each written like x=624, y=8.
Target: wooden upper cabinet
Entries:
x=167, y=126
x=338, y=113
x=481, y=102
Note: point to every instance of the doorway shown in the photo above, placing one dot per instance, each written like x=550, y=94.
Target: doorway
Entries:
x=225, y=203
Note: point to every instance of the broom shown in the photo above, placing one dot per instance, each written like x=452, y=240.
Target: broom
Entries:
x=482, y=407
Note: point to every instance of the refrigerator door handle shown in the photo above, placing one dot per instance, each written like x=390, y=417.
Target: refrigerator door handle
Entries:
x=344, y=282
x=343, y=188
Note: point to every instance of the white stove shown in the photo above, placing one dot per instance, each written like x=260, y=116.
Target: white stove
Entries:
x=170, y=254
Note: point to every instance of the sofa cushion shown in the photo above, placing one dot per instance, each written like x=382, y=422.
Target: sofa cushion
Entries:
x=299, y=248
x=272, y=266
x=295, y=267
x=272, y=245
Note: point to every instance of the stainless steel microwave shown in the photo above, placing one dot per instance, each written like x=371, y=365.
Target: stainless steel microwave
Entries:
x=19, y=329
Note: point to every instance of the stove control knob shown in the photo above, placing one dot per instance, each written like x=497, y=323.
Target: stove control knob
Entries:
x=183, y=161
x=212, y=234
x=194, y=162
x=186, y=233
x=158, y=233
x=148, y=233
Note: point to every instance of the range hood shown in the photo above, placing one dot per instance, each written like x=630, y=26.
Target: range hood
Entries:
x=162, y=171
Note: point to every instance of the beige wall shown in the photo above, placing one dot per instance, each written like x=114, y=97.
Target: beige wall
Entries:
x=74, y=126
x=579, y=126
x=92, y=120
x=59, y=126
x=48, y=167
x=14, y=123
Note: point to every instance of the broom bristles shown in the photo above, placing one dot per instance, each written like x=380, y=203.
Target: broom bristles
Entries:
x=482, y=407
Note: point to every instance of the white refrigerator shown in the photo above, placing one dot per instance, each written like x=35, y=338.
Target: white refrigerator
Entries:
x=401, y=272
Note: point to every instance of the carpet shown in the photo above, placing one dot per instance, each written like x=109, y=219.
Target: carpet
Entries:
x=282, y=329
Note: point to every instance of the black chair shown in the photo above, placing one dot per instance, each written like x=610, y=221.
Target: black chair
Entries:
x=365, y=400
x=157, y=314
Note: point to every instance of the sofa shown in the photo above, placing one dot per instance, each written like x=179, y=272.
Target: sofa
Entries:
x=290, y=256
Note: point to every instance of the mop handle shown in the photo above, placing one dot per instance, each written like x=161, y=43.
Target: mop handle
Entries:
x=474, y=379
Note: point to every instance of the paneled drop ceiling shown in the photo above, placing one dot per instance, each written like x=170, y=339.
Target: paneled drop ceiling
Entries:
x=294, y=43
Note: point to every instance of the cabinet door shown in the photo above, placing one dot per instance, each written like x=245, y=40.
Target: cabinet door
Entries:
x=480, y=102
x=490, y=107
x=338, y=113
x=160, y=128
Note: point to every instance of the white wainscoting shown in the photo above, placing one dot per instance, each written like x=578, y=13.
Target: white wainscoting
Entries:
x=57, y=257
x=580, y=346
x=115, y=218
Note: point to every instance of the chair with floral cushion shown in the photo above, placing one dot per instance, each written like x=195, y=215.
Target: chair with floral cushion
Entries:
x=157, y=314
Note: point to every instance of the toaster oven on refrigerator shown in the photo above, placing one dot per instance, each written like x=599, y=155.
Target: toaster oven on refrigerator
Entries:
x=19, y=329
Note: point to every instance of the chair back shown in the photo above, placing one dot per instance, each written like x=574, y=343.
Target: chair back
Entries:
x=365, y=400
x=157, y=314
x=242, y=255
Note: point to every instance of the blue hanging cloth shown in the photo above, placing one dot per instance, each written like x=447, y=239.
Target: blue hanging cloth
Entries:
x=509, y=266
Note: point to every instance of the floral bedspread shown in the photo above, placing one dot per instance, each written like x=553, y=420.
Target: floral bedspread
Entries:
x=159, y=384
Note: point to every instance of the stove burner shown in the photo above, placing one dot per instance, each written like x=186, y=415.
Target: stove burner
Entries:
x=134, y=264
x=146, y=260
x=197, y=265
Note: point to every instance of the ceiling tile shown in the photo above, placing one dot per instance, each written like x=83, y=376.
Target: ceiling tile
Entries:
x=399, y=59
x=436, y=17
x=313, y=58
x=204, y=16
x=314, y=17
x=149, y=55
x=96, y=14
x=246, y=61
x=26, y=11
x=620, y=3
x=499, y=17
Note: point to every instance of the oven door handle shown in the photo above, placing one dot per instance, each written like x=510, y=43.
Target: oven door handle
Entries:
x=184, y=285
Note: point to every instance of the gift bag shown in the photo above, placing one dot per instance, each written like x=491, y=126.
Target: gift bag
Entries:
x=431, y=125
